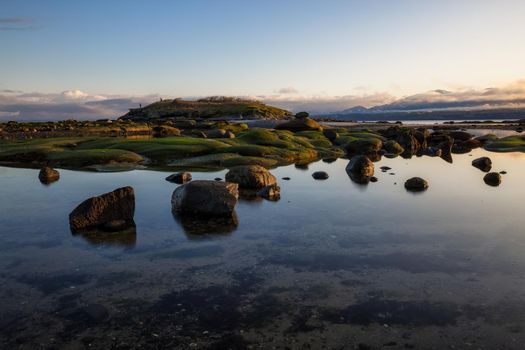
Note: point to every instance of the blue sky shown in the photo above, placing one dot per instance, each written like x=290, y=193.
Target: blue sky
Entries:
x=312, y=49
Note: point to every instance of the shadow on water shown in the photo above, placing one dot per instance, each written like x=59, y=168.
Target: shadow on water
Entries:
x=199, y=227
x=126, y=238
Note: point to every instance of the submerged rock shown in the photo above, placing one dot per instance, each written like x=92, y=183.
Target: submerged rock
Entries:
x=483, y=164
x=432, y=152
x=205, y=197
x=48, y=175
x=360, y=169
x=416, y=184
x=250, y=177
x=320, y=175
x=272, y=192
x=492, y=179
x=179, y=178
x=108, y=211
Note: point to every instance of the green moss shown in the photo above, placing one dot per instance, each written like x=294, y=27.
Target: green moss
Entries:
x=507, y=144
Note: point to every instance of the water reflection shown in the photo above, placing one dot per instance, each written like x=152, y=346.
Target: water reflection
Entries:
x=126, y=238
x=198, y=227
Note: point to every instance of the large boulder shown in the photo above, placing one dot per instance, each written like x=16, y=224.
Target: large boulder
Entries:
x=252, y=177
x=205, y=197
x=416, y=184
x=483, y=164
x=360, y=169
x=48, y=175
x=492, y=179
x=110, y=211
x=300, y=124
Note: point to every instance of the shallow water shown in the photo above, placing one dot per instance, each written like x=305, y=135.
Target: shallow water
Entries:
x=332, y=264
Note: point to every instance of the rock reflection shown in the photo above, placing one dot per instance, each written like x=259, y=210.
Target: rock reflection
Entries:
x=126, y=238
x=202, y=227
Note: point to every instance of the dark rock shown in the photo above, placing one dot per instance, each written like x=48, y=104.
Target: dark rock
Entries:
x=416, y=184
x=483, y=164
x=302, y=115
x=385, y=168
x=492, y=179
x=272, y=192
x=98, y=211
x=503, y=172
x=179, y=178
x=210, y=198
x=286, y=178
x=330, y=134
x=48, y=175
x=250, y=176
x=360, y=169
x=320, y=175
x=364, y=146
x=373, y=179
x=519, y=129
x=460, y=135
x=215, y=133
x=218, y=179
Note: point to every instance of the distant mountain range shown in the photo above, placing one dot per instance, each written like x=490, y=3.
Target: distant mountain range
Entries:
x=380, y=113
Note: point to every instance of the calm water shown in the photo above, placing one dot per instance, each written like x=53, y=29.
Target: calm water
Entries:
x=332, y=264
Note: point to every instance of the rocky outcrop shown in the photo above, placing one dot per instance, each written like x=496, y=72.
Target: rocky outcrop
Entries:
x=179, y=178
x=320, y=175
x=360, y=169
x=364, y=146
x=410, y=139
x=111, y=211
x=483, y=164
x=205, y=197
x=48, y=175
x=416, y=184
x=492, y=179
x=300, y=124
x=252, y=177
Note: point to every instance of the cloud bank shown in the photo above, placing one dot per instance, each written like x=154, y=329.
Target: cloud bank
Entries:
x=17, y=105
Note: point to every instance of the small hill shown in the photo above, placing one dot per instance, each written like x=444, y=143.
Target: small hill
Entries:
x=210, y=107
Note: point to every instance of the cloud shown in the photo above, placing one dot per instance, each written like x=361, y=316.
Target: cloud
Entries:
x=16, y=105
x=65, y=105
x=287, y=90
x=15, y=20
x=508, y=96
x=19, y=23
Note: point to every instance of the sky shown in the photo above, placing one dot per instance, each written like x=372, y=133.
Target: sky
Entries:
x=321, y=55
